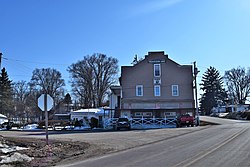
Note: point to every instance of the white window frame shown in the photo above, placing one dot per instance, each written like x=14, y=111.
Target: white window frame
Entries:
x=155, y=92
x=137, y=90
x=155, y=67
x=175, y=90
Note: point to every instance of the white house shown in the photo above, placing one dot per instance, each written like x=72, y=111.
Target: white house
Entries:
x=230, y=108
x=3, y=118
x=82, y=114
x=85, y=115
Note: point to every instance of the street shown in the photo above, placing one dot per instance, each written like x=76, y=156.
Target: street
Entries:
x=220, y=145
x=226, y=145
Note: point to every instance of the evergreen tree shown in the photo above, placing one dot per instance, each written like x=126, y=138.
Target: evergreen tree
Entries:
x=6, y=98
x=214, y=93
x=67, y=101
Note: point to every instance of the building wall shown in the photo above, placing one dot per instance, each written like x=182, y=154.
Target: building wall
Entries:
x=143, y=74
x=113, y=102
x=158, y=105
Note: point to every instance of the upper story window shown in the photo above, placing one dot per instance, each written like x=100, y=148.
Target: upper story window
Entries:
x=139, y=90
x=175, y=90
x=157, y=70
x=157, y=90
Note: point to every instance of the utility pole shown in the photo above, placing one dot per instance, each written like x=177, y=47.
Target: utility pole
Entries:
x=196, y=96
x=1, y=55
x=1, y=75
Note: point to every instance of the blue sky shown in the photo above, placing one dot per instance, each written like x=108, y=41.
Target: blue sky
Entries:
x=57, y=33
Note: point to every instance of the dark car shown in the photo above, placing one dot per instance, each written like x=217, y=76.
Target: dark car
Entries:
x=123, y=123
x=7, y=125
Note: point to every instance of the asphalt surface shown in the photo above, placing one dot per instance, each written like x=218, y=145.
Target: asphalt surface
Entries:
x=116, y=140
x=225, y=145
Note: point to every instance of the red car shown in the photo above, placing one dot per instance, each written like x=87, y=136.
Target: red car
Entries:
x=185, y=120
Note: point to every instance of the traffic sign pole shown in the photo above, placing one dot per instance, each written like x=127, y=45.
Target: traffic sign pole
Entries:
x=45, y=103
x=46, y=118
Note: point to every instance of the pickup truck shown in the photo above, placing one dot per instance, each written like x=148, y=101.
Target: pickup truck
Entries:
x=185, y=120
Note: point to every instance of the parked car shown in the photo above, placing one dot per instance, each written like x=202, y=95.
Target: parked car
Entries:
x=223, y=114
x=214, y=114
x=123, y=123
x=7, y=125
x=185, y=120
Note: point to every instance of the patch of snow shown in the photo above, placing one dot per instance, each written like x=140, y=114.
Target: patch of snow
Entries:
x=16, y=157
x=69, y=127
x=8, y=149
x=4, y=148
x=3, y=145
x=82, y=128
x=31, y=127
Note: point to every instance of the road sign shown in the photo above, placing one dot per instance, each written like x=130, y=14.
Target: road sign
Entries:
x=45, y=103
x=41, y=101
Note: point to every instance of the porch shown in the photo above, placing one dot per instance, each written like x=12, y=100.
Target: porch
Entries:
x=143, y=123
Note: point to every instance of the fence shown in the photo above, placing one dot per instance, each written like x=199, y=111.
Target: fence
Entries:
x=143, y=123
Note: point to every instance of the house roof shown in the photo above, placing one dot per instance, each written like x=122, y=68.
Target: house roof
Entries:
x=3, y=116
x=150, y=57
x=116, y=89
x=90, y=110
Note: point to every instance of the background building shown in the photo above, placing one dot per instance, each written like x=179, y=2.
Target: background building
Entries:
x=154, y=87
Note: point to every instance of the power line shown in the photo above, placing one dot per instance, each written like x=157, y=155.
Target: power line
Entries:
x=25, y=68
x=35, y=62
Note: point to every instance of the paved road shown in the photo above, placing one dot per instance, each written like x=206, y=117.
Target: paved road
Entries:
x=225, y=145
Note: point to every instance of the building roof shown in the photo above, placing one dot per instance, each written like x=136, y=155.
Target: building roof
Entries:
x=116, y=89
x=3, y=116
x=150, y=57
x=91, y=111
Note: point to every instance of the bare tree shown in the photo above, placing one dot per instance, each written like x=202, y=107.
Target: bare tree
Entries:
x=92, y=77
x=238, y=84
x=47, y=80
x=21, y=92
x=82, y=82
x=21, y=89
x=32, y=110
x=25, y=98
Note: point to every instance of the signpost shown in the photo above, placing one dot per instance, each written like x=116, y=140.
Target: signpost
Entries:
x=45, y=103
